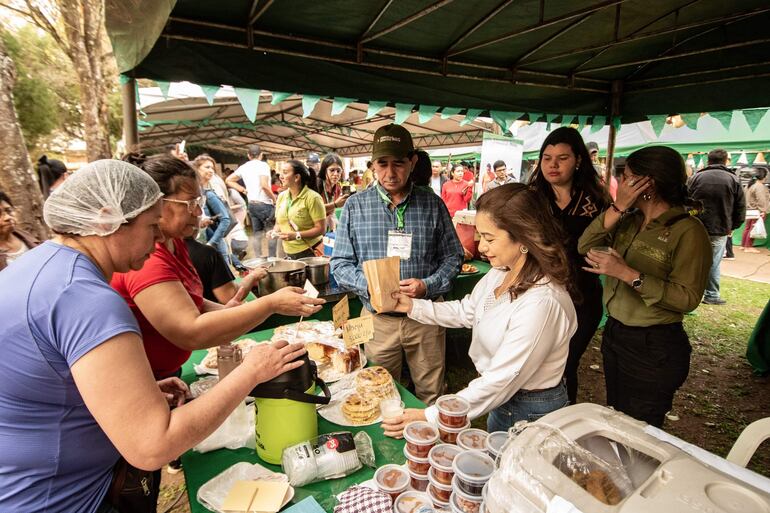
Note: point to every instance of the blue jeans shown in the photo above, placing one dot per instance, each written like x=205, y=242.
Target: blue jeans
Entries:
x=527, y=405
x=718, y=244
x=262, y=219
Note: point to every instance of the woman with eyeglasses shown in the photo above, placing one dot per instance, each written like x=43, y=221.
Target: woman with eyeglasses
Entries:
x=166, y=294
x=13, y=242
x=329, y=187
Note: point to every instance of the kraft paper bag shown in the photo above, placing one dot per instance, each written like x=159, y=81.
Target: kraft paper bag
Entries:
x=383, y=277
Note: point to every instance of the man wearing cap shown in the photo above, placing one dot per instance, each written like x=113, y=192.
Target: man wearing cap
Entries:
x=313, y=161
x=395, y=218
x=593, y=151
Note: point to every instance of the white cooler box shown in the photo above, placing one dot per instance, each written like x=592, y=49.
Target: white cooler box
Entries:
x=588, y=458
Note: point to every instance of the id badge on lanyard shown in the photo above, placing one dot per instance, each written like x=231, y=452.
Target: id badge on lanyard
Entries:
x=399, y=244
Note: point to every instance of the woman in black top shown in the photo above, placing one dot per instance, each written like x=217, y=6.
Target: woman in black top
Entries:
x=566, y=177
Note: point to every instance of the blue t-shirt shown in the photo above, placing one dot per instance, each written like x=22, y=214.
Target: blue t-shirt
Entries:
x=55, y=306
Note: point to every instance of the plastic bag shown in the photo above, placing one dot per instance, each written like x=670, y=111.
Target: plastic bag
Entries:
x=758, y=231
x=328, y=456
x=214, y=492
x=235, y=432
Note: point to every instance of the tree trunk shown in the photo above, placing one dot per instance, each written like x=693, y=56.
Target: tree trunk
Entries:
x=17, y=179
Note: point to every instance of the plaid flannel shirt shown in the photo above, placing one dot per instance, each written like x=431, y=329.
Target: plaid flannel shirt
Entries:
x=362, y=235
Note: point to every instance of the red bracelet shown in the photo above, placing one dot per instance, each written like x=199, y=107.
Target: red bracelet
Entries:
x=616, y=209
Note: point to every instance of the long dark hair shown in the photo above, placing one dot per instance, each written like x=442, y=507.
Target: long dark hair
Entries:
x=422, y=169
x=48, y=171
x=166, y=170
x=667, y=169
x=584, y=179
x=518, y=209
x=306, y=175
x=329, y=160
x=758, y=176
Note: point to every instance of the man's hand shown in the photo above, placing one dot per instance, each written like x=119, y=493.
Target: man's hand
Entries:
x=413, y=287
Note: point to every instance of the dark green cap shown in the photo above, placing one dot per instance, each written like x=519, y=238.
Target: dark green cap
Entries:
x=392, y=141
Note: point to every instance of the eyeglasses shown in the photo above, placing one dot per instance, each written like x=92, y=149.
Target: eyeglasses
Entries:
x=200, y=201
x=334, y=170
x=9, y=211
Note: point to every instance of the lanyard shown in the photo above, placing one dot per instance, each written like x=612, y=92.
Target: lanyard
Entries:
x=400, y=209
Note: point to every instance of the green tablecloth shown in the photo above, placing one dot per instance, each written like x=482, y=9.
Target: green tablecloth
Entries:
x=199, y=468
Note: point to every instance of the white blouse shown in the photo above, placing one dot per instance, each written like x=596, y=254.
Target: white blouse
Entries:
x=519, y=344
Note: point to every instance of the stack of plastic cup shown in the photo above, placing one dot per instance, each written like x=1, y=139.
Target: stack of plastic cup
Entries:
x=420, y=437
x=452, y=417
x=441, y=474
x=472, y=471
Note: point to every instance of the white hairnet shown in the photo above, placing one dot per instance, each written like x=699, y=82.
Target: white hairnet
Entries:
x=99, y=197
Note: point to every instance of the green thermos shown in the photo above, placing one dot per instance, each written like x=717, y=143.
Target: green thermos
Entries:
x=286, y=410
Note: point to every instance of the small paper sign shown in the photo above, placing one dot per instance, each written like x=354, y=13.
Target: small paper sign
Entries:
x=310, y=290
x=357, y=331
x=341, y=312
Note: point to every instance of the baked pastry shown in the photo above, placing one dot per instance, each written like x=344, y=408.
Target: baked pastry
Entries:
x=319, y=353
x=598, y=484
x=345, y=361
x=469, y=268
x=360, y=410
x=375, y=383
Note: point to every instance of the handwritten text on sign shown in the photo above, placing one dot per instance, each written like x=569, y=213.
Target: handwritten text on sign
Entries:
x=358, y=331
x=341, y=312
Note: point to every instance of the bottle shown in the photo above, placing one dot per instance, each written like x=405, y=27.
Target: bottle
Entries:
x=229, y=356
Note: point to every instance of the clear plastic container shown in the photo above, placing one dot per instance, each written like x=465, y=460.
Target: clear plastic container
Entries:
x=494, y=443
x=415, y=464
x=392, y=479
x=438, y=491
x=452, y=410
x=420, y=438
x=418, y=482
x=473, y=439
x=440, y=459
x=449, y=435
x=461, y=503
x=412, y=501
x=472, y=470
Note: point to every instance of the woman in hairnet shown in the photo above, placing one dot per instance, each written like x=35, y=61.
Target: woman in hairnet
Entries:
x=76, y=390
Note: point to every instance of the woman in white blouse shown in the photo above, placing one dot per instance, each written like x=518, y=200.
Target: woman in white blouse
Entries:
x=521, y=314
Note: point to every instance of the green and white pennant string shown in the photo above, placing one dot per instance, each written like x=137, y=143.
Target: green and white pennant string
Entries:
x=658, y=121
x=164, y=87
x=278, y=97
x=597, y=123
x=403, y=111
x=448, y=112
x=691, y=120
x=470, y=115
x=754, y=116
x=725, y=117
x=308, y=104
x=249, y=99
x=374, y=108
x=210, y=91
x=340, y=104
x=426, y=112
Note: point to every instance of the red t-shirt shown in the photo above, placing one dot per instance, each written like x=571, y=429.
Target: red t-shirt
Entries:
x=456, y=195
x=165, y=358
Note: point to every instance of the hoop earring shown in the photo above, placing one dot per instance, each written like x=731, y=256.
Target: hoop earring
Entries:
x=524, y=249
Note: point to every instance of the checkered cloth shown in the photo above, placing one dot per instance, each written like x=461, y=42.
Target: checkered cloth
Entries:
x=360, y=499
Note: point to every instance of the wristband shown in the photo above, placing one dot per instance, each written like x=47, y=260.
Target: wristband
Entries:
x=616, y=209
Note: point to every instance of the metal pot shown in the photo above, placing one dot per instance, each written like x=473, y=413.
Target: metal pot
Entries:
x=283, y=273
x=317, y=269
x=262, y=261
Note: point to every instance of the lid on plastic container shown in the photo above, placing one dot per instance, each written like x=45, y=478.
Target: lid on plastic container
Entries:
x=496, y=440
x=473, y=439
x=473, y=466
x=453, y=405
x=447, y=429
x=391, y=478
x=414, y=458
x=420, y=432
x=442, y=455
x=411, y=501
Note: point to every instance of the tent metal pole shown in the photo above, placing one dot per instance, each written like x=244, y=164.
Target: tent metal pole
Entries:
x=130, y=129
x=617, y=94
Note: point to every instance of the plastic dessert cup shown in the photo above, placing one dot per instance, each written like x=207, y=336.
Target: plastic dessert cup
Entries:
x=392, y=479
x=472, y=470
x=440, y=459
x=495, y=442
x=449, y=435
x=418, y=482
x=462, y=503
x=452, y=410
x=420, y=438
x=415, y=464
x=472, y=439
x=438, y=491
x=436, y=494
x=411, y=501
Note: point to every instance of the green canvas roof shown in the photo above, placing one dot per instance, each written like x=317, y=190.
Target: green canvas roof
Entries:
x=523, y=58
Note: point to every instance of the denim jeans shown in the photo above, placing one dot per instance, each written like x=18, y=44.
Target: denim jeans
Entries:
x=262, y=219
x=718, y=244
x=527, y=405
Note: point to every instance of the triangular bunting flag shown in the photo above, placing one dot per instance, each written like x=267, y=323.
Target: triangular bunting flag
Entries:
x=340, y=104
x=374, y=108
x=470, y=115
x=597, y=123
x=504, y=119
x=549, y=119
x=567, y=119
x=754, y=116
x=752, y=157
x=725, y=117
x=582, y=120
x=210, y=91
x=426, y=112
x=249, y=99
x=164, y=86
x=448, y=112
x=616, y=122
x=403, y=111
x=278, y=97
x=691, y=120
x=658, y=121
x=534, y=116
x=309, y=102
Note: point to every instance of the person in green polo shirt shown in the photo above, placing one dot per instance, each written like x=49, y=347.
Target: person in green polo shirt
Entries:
x=656, y=257
x=299, y=211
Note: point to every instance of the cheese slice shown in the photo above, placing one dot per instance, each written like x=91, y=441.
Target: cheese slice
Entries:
x=269, y=496
x=240, y=496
